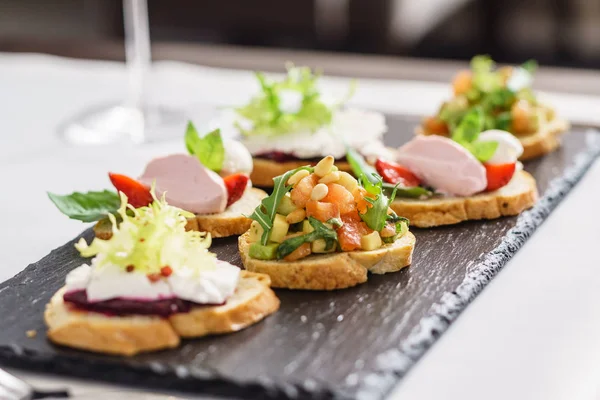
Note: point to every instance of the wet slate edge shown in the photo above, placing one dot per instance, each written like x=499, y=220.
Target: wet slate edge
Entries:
x=355, y=343
x=442, y=314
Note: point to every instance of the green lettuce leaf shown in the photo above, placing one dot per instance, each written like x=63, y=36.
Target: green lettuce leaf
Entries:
x=264, y=214
x=265, y=113
x=87, y=207
x=208, y=149
x=321, y=231
x=467, y=133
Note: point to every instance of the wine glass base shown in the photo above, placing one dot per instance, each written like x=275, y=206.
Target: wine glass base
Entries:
x=118, y=123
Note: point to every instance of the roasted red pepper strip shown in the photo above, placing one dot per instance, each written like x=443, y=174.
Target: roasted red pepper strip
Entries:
x=138, y=195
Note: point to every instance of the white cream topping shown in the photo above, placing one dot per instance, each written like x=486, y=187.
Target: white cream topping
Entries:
x=353, y=127
x=109, y=282
x=519, y=79
x=237, y=158
x=509, y=147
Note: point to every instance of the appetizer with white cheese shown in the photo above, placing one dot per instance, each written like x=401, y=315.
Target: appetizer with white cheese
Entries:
x=150, y=284
x=289, y=124
x=322, y=229
x=508, y=102
x=446, y=180
x=211, y=182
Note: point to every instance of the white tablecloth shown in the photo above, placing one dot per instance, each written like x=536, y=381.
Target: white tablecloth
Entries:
x=534, y=333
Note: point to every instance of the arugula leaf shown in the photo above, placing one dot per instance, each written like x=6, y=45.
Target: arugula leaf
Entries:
x=376, y=215
x=208, y=149
x=264, y=214
x=87, y=207
x=360, y=166
x=321, y=231
x=397, y=221
x=414, y=192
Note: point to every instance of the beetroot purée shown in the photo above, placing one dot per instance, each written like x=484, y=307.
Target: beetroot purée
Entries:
x=120, y=307
x=282, y=157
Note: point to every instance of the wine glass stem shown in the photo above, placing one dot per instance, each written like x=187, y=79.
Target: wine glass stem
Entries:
x=137, y=50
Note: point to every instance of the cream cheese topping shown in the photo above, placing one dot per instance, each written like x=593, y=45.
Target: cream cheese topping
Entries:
x=509, y=147
x=237, y=158
x=109, y=282
x=350, y=127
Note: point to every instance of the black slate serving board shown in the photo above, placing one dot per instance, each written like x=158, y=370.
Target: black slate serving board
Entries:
x=353, y=343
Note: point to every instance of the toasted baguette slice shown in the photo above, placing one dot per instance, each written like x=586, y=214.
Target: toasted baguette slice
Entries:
x=334, y=270
x=519, y=195
x=232, y=221
x=228, y=223
x=129, y=335
x=252, y=301
x=544, y=141
x=100, y=333
x=264, y=170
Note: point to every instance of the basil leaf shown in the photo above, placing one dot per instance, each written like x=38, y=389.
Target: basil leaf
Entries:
x=87, y=207
x=321, y=231
x=469, y=128
x=208, y=149
x=483, y=151
x=264, y=214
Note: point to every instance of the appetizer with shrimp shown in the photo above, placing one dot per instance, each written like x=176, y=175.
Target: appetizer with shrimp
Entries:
x=322, y=229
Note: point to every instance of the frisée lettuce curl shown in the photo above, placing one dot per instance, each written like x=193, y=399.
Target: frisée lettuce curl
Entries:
x=150, y=238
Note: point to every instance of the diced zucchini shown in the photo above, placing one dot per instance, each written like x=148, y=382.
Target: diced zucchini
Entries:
x=403, y=229
x=389, y=239
x=256, y=232
x=263, y=252
x=307, y=227
x=371, y=241
x=319, y=245
x=279, y=230
x=286, y=205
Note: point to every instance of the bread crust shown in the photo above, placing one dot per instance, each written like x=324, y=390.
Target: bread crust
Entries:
x=252, y=301
x=230, y=222
x=130, y=335
x=331, y=271
x=544, y=141
x=265, y=170
x=520, y=194
x=99, y=333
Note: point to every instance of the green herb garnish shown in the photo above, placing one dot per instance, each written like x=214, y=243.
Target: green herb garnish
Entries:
x=208, y=149
x=265, y=213
x=265, y=110
x=87, y=207
x=376, y=216
x=468, y=131
x=321, y=231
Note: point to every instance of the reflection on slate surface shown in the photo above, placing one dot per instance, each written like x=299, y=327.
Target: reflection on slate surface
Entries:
x=319, y=343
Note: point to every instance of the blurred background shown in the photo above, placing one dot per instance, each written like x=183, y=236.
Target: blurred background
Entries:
x=555, y=32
